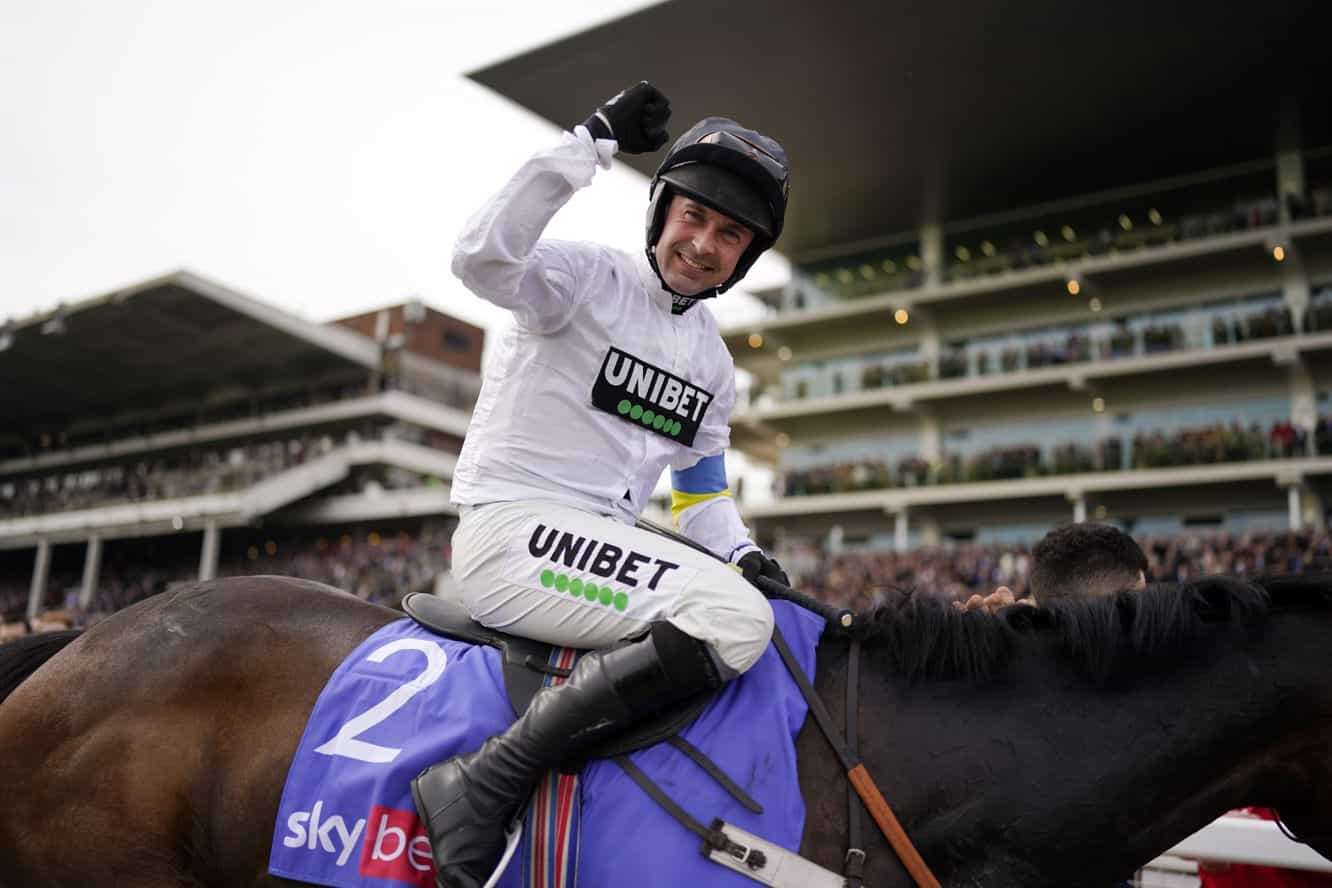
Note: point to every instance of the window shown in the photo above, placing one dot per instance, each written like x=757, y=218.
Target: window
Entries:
x=457, y=340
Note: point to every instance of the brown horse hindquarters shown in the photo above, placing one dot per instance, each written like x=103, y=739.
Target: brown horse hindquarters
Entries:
x=153, y=750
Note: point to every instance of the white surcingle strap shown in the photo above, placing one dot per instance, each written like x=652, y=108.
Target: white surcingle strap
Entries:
x=779, y=867
x=761, y=860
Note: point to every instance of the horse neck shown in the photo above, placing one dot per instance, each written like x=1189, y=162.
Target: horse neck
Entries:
x=1039, y=777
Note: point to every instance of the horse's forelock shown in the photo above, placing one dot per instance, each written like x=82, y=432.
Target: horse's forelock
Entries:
x=924, y=637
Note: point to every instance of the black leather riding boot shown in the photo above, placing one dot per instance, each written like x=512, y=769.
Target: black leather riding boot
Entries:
x=467, y=802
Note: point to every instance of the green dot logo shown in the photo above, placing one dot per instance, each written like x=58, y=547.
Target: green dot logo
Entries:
x=575, y=586
x=590, y=593
x=659, y=422
x=648, y=416
x=676, y=428
x=621, y=601
x=548, y=578
x=623, y=407
x=636, y=412
x=562, y=582
x=607, y=596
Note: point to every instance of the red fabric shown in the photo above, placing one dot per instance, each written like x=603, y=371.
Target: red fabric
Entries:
x=1243, y=875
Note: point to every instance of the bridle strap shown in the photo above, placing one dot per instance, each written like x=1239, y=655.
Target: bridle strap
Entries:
x=856, y=773
x=859, y=778
x=854, y=868
x=1290, y=833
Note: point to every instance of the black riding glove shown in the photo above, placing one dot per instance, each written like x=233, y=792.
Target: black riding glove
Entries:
x=636, y=119
x=755, y=564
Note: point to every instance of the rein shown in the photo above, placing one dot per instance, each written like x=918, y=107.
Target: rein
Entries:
x=862, y=786
x=1290, y=833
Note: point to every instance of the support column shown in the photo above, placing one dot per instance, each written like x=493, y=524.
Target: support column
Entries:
x=930, y=535
x=1290, y=179
x=931, y=435
x=932, y=253
x=833, y=542
x=92, y=568
x=1303, y=403
x=1293, y=511
x=1312, y=512
x=208, y=556
x=1079, y=509
x=1295, y=287
x=1291, y=185
x=791, y=294
x=931, y=344
x=41, y=569
x=901, y=531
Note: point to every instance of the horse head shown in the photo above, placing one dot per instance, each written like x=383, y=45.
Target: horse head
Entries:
x=1081, y=739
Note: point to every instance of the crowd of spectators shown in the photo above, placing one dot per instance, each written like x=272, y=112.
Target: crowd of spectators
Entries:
x=196, y=471
x=1217, y=443
x=123, y=585
x=13, y=598
x=188, y=472
x=1222, y=442
x=1127, y=337
x=380, y=568
x=377, y=568
x=1120, y=233
x=351, y=563
x=1043, y=243
x=16, y=445
x=383, y=568
x=864, y=579
x=460, y=393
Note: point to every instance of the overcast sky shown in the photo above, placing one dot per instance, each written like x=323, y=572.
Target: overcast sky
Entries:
x=321, y=156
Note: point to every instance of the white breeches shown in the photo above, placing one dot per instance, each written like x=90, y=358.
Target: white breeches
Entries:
x=568, y=577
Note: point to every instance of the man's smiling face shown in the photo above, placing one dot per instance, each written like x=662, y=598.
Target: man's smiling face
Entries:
x=699, y=247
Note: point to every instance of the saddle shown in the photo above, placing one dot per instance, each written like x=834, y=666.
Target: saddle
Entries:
x=526, y=666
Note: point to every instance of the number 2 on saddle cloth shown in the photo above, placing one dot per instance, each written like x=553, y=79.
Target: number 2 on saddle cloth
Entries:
x=406, y=697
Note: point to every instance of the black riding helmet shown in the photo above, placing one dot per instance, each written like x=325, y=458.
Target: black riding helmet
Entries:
x=731, y=169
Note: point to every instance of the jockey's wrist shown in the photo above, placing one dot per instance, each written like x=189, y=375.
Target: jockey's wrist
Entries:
x=741, y=550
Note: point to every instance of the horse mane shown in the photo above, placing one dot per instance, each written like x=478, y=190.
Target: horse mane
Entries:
x=923, y=637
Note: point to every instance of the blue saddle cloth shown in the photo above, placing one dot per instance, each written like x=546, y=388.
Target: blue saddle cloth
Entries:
x=407, y=698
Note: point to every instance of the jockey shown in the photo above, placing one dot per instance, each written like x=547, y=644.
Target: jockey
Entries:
x=611, y=373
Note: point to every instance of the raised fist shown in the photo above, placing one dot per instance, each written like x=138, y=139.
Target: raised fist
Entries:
x=636, y=119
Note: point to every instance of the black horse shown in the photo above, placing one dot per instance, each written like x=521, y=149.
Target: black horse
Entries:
x=1051, y=746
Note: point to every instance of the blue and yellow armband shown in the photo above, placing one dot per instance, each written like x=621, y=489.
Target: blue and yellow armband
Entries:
x=703, y=481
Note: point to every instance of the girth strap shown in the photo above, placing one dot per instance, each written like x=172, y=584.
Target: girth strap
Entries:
x=859, y=778
x=710, y=768
x=712, y=838
x=856, y=773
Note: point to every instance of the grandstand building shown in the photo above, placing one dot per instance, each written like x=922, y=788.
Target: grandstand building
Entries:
x=178, y=430
x=1052, y=263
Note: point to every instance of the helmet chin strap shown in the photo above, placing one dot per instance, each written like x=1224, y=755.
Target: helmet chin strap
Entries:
x=680, y=303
